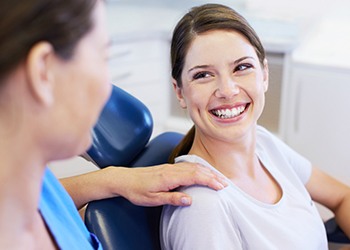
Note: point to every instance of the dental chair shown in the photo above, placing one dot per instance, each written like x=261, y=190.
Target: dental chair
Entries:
x=121, y=138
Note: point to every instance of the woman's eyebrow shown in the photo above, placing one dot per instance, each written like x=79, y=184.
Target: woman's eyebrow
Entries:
x=242, y=59
x=204, y=66
x=198, y=67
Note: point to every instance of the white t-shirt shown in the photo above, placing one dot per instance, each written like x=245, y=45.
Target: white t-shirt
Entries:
x=231, y=219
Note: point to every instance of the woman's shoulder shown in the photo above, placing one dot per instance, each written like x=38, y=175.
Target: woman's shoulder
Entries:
x=208, y=206
x=203, y=195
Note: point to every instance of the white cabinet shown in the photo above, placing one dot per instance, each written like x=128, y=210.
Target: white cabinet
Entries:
x=270, y=118
x=316, y=100
x=141, y=67
x=317, y=117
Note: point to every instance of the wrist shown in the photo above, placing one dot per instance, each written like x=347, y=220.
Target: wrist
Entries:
x=114, y=181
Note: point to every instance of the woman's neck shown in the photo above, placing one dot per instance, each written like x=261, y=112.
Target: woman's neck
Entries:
x=21, y=172
x=22, y=167
x=238, y=161
x=229, y=157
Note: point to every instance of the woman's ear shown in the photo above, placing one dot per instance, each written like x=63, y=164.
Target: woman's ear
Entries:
x=265, y=75
x=39, y=70
x=179, y=96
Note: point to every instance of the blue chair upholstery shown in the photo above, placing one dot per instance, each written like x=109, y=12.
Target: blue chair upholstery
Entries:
x=118, y=223
x=334, y=233
x=122, y=131
x=121, y=138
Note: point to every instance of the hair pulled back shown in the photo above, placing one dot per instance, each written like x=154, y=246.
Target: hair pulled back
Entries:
x=198, y=20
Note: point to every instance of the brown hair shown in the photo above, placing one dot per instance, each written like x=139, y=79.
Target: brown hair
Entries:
x=199, y=20
x=24, y=23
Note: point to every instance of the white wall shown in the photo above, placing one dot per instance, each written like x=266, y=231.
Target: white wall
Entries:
x=305, y=12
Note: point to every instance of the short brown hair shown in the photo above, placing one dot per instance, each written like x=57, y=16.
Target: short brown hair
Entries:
x=24, y=23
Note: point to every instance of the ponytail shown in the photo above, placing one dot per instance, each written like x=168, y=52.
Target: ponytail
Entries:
x=184, y=146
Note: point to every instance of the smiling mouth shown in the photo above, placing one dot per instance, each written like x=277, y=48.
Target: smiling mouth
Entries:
x=229, y=113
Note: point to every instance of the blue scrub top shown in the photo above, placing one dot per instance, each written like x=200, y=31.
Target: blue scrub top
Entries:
x=62, y=217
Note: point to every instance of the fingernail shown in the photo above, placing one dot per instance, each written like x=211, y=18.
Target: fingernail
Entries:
x=185, y=201
x=225, y=183
x=220, y=186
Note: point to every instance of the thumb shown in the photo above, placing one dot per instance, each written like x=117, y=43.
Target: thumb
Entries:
x=176, y=199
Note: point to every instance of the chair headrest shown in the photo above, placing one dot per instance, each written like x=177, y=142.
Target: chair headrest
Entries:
x=122, y=130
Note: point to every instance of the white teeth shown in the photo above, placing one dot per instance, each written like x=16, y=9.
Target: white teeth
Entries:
x=228, y=113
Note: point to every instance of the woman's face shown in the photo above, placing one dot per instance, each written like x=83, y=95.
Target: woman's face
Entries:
x=82, y=87
x=223, y=84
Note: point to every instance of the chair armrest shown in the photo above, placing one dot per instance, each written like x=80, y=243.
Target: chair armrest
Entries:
x=119, y=224
x=334, y=232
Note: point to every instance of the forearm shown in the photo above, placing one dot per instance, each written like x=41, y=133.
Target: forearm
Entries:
x=333, y=194
x=91, y=186
x=147, y=186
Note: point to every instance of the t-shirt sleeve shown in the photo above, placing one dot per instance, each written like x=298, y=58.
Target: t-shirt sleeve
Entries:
x=277, y=148
x=300, y=164
x=206, y=224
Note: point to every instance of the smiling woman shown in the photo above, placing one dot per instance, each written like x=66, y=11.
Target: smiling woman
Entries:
x=185, y=33
x=211, y=80
x=220, y=75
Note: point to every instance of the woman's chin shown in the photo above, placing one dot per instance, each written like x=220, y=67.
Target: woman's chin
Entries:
x=81, y=149
x=86, y=145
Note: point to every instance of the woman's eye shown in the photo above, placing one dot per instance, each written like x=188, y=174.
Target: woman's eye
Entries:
x=200, y=75
x=243, y=67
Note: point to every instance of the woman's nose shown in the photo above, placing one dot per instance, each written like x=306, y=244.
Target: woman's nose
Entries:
x=226, y=88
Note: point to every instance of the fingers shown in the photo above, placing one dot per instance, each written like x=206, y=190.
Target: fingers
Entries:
x=193, y=173
x=217, y=181
x=180, y=199
x=159, y=181
x=164, y=198
x=174, y=198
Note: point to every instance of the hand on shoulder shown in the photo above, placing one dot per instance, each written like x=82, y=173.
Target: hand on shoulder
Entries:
x=152, y=186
